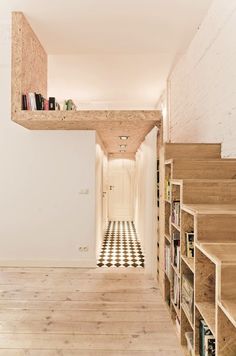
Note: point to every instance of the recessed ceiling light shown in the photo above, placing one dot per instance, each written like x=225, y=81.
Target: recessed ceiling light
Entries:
x=124, y=137
x=123, y=146
x=122, y=151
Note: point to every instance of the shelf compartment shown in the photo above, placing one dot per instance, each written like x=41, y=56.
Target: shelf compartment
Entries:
x=229, y=308
x=175, y=270
x=226, y=334
x=186, y=326
x=207, y=311
x=175, y=226
x=205, y=279
x=187, y=295
x=189, y=261
x=177, y=310
x=167, y=237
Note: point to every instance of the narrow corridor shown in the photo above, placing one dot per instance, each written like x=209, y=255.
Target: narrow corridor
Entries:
x=121, y=247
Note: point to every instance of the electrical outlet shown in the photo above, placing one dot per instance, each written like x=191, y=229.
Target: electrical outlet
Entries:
x=83, y=248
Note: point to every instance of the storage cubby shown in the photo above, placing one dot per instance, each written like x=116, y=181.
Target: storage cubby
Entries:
x=205, y=288
x=226, y=335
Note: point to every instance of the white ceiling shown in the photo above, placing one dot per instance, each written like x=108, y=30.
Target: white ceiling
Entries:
x=121, y=51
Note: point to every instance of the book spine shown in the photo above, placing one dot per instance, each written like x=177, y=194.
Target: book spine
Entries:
x=52, y=103
x=32, y=101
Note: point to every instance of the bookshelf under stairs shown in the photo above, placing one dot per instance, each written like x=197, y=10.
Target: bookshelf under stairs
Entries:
x=198, y=246
x=29, y=75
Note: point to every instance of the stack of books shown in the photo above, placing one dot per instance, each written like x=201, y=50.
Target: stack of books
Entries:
x=175, y=215
x=206, y=340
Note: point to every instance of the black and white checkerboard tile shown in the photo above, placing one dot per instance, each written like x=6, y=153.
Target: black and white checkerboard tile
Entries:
x=121, y=247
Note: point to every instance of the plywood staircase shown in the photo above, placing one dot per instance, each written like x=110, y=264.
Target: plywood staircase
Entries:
x=196, y=178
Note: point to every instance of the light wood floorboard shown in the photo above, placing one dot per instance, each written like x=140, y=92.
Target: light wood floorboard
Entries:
x=83, y=312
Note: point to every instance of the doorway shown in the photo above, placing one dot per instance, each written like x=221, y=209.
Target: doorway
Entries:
x=121, y=181
x=121, y=246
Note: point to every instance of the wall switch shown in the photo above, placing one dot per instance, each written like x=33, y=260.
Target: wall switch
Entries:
x=84, y=191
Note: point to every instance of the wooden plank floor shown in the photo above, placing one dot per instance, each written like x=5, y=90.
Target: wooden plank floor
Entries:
x=83, y=312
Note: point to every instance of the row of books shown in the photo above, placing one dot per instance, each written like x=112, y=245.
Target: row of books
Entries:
x=175, y=256
x=168, y=260
x=35, y=101
x=189, y=244
x=187, y=295
x=175, y=214
x=167, y=190
x=206, y=340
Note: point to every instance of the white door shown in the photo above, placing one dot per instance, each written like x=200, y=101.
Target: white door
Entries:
x=105, y=194
x=121, y=189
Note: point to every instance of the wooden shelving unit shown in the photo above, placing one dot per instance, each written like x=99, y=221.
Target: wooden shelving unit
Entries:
x=29, y=74
x=208, y=210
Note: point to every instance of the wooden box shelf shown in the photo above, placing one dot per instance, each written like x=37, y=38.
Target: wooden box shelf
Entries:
x=208, y=211
x=30, y=74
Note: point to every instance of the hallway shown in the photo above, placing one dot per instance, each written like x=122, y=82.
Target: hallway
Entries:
x=121, y=246
x=75, y=312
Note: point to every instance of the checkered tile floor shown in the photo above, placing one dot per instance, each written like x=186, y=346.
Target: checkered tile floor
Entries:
x=121, y=247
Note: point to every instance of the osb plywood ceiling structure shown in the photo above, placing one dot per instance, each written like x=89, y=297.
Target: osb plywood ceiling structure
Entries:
x=29, y=74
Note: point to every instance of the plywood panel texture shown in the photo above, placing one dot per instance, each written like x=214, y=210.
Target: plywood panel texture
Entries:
x=29, y=61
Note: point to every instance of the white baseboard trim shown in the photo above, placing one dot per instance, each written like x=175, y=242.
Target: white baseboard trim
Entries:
x=49, y=263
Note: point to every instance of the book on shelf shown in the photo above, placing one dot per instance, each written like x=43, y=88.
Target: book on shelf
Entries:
x=35, y=101
x=206, y=340
x=167, y=190
x=176, y=249
x=187, y=295
x=175, y=213
x=176, y=290
x=189, y=244
x=168, y=260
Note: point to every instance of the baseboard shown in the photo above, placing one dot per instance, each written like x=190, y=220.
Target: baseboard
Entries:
x=48, y=263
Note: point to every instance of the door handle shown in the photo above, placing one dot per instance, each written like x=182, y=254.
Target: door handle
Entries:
x=111, y=187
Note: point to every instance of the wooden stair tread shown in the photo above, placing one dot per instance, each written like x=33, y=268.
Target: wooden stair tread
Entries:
x=219, y=252
x=210, y=208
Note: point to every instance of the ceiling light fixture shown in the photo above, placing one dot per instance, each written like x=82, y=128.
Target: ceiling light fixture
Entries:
x=123, y=146
x=124, y=137
x=122, y=151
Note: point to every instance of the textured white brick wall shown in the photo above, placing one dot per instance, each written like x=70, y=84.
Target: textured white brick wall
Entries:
x=202, y=86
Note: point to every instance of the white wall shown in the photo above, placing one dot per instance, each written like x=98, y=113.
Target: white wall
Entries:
x=146, y=199
x=202, y=86
x=101, y=208
x=43, y=218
